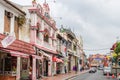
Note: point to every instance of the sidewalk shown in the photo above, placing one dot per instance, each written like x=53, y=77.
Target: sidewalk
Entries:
x=64, y=76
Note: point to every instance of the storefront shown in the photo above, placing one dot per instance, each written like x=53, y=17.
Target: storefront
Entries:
x=13, y=65
x=15, y=60
x=36, y=67
x=46, y=63
x=8, y=66
x=69, y=63
x=24, y=68
x=59, y=65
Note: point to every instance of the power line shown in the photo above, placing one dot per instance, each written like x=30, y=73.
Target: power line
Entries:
x=96, y=49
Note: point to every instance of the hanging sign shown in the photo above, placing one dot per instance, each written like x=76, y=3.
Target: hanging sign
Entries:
x=8, y=40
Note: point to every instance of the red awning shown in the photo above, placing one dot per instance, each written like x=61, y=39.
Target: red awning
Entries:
x=19, y=46
x=55, y=59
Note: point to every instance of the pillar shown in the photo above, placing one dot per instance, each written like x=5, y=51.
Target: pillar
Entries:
x=33, y=27
x=18, y=68
x=50, y=66
x=42, y=29
x=55, y=67
x=34, y=69
x=63, y=68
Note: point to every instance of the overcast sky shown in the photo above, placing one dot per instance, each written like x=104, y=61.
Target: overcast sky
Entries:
x=97, y=21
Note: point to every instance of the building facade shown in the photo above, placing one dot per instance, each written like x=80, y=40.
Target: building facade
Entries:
x=32, y=45
x=14, y=53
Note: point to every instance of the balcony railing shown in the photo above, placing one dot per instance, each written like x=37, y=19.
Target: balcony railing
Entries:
x=46, y=45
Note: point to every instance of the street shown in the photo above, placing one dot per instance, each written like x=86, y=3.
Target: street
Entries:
x=91, y=76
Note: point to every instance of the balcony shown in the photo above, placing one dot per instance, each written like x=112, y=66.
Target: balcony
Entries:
x=63, y=48
x=46, y=45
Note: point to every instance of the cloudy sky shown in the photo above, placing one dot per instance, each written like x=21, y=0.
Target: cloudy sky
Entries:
x=97, y=21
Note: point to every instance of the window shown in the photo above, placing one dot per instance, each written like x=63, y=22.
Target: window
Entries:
x=47, y=15
x=46, y=36
x=74, y=48
x=24, y=63
x=8, y=63
x=16, y=27
x=7, y=21
x=38, y=29
x=69, y=45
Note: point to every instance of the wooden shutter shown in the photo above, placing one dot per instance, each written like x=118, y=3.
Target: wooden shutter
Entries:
x=7, y=21
x=16, y=28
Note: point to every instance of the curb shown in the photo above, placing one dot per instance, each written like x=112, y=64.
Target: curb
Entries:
x=77, y=75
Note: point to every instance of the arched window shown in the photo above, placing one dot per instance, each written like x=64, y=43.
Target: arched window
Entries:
x=46, y=36
x=38, y=29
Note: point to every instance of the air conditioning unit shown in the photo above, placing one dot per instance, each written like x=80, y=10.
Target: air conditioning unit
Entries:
x=6, y=33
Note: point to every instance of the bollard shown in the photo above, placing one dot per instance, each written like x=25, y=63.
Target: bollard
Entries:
x=113, y=76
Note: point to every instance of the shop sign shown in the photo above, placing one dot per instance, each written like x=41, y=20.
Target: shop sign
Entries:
x=8, y=40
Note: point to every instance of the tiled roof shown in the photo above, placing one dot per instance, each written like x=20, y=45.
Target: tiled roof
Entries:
x=18, y=45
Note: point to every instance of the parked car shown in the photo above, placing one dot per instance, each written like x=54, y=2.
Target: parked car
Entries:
x=92, y=70
x=100, y=68
x=107, y=70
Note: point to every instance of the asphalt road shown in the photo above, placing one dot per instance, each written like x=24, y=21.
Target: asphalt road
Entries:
x=92, y=76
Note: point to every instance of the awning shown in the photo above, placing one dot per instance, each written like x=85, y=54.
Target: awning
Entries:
x=37, y=57
x=45, y=54
x=55, y=59
x=46, y=49
x=19, y=46
x=15, y=53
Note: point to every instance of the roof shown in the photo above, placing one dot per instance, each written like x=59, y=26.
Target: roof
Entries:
x=18, y=45
x=16, y=6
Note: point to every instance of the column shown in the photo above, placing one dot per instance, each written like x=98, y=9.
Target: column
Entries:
x=41, y=33
x=50, y=39
x=63, y=68
x=34, y=69
x=50, y=66
x=33, y=28
x=18, y=68
x=54, y=68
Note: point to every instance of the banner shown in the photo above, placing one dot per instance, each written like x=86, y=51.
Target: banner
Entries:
x=8, y=40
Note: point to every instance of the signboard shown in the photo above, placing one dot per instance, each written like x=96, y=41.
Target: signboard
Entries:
x=8, y=40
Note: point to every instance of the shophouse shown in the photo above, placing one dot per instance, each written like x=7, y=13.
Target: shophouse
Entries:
x=62, y=50
x=71, y=49
x=14, y=53
x=79, y=51
x=43, y=37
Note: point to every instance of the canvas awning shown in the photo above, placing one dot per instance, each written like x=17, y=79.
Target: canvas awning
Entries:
x=55, y=59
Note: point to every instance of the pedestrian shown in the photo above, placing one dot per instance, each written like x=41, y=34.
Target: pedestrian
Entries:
x=75, y=68
x=65, y=69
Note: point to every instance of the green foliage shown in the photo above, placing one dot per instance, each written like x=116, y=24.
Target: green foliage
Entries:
x=114, y=59
x=117, y=49
x=21, y=20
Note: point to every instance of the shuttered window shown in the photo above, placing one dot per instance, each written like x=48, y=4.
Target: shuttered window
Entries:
x=16, y=28
x=7, y=21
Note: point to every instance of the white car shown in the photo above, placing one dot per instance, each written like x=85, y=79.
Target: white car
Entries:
x=106, y=70
x=92, y=70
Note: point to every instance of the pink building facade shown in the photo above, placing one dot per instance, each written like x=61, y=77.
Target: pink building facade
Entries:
x=43, y=37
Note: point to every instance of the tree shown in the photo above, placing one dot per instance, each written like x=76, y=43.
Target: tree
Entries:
x=117, y=49
x=117, y=52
